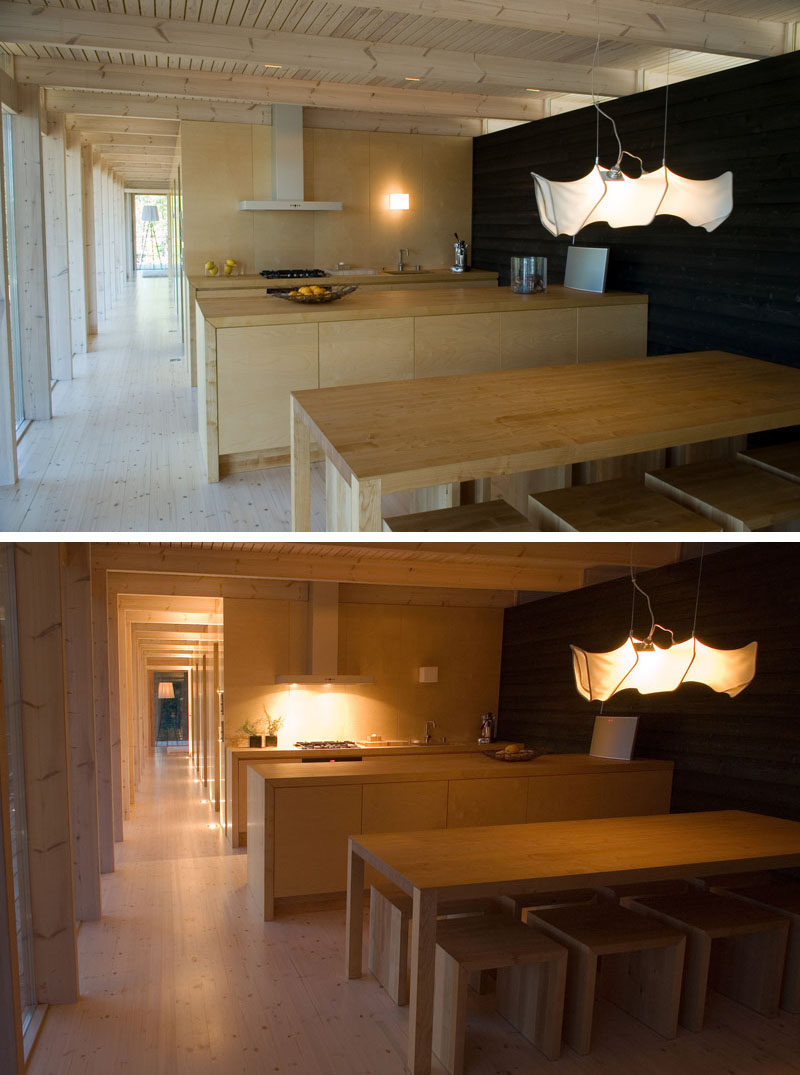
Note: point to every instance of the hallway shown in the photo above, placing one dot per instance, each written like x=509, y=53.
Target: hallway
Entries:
x=181, y=978
x=122, y=452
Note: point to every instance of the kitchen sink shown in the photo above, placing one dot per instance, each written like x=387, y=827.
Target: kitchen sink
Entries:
x=407, y=272
x=353, y=272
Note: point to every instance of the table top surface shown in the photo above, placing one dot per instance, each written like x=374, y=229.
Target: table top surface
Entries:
x=442, y=429
x=571, y=854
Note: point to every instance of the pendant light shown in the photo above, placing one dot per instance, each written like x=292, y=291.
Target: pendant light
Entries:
x=642, y=665
x=607, y=194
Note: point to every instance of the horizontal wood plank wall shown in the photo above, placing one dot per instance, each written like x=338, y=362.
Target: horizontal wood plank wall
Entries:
x=729, y=753
x=729, y=289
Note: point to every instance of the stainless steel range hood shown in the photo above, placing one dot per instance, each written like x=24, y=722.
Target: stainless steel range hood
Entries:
x=287, y=164
x=323, y=640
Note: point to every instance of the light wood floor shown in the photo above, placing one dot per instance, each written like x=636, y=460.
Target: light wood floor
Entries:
x=182, y=978
x=122, y=452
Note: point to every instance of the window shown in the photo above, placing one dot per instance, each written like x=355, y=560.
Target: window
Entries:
x=11, y=261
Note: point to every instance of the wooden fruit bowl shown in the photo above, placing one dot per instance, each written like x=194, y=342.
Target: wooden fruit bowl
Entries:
x=332, y=293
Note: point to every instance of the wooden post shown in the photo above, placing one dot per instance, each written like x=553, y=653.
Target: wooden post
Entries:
x=8, y=436
x=44, y=730
x=89, y=243
x=97, y=235
x=77, y=604
x=11, y=1049
x=55, y=222
x=31, y=262
x=102, y=726
x=75, y=225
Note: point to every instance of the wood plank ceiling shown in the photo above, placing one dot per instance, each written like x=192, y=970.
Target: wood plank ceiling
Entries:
x=127, y=71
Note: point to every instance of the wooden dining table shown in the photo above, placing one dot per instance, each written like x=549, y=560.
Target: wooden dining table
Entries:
x=399, y=435
x=506, y=859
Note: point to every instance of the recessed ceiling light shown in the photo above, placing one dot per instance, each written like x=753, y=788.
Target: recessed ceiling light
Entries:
x=530, y=90
x=273, y=65
x=410, y=78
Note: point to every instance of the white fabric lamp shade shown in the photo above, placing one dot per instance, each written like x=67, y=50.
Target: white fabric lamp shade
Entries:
x=165, y=689
x=599, y=675
x=149, y=212
x=565, y=208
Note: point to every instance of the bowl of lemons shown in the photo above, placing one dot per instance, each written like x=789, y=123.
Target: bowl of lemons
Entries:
x=516, y=752
x=313, y=292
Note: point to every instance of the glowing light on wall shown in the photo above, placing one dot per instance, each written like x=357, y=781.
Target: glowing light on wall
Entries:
x=399, y=201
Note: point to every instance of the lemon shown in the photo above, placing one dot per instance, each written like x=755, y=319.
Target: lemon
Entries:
x=306, y=290
x=214, y=271
x=210, y=265
x=230, y=261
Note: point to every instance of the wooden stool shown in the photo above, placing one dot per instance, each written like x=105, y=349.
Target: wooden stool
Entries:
x=390, y=912
x=622, y=894
x=726, y=881
x=730, y=493
x=520, y=902
x=780, y=459
x=641, y=969
x=491, y=515
x=735, y=947
x=531, y=975
x=783, y=898
x=619, y=504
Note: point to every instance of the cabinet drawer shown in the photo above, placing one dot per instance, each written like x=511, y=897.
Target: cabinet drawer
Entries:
x=538, y=338
x=606, y=333
x=568, y=798
x=405, y=807
x=486, y=802
x=357, y=352
x=311, y=830
x=456, y=343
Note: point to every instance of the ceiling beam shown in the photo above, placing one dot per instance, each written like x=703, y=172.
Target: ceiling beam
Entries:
x=74, y=28
x=614, y=20
x=157, y=128
x=108, y=139
x=173, y=94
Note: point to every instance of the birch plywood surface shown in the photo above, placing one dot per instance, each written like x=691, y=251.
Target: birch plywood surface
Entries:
x=441, y=429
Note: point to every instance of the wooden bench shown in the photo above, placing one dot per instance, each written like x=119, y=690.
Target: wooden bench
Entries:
x=621, y=894
x=521, y=902
x=783, y=898
x=732, y=494
x=490, y=515
x=531, y=976
x=736, y=947
x=780, y=459
x=389, y=918
x=620, y=504
x=641, y=969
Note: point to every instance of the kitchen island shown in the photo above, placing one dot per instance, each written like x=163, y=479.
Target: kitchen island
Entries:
x=300, y=816
x=381, y=279
x=253, y=352
x=234, y=817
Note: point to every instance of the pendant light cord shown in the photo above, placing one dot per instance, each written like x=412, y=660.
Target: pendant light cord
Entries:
x=615, y=169
x=666, y=111
x=697, y=595
x=646, y=596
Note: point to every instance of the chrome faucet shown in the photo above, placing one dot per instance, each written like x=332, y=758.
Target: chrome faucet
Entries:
x=400, y=265
x=429, y=724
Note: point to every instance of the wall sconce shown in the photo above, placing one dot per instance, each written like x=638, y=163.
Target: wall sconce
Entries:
x=399, y=201
x=429, y=674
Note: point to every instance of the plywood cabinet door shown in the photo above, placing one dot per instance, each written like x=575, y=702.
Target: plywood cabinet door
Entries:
x=568, y=798
x=456, y=343
x=354, y=352
x=538, y=338
x=419, y=804
x=257, y=368
x=487, y=802
x=311, y=830
x=609, y=332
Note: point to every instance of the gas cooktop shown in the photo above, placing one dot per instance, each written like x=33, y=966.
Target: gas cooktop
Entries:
x=327, y=744
x=290, y=274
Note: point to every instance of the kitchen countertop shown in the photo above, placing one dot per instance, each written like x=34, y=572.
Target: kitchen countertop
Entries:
x=397, y=749
x=428, y=276
x=405, y=769
x=245, y=311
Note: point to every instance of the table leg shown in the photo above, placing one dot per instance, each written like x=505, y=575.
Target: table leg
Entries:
x=423, y=964
x=366, y=504
x=354, y=921
x=300, y=468
x=337, y=500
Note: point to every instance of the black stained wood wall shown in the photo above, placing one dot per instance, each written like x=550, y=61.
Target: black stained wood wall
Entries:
x=729, y=753
x=734, y=289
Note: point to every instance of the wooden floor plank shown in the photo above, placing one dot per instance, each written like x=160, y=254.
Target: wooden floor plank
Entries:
x=181, y=977
x=122, y=453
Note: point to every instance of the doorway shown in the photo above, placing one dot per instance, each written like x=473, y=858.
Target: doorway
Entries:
x=150, y=234
x=171, y=709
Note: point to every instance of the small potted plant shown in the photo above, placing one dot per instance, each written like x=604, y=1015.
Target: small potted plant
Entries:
x=249, y=729
x=272, y=725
